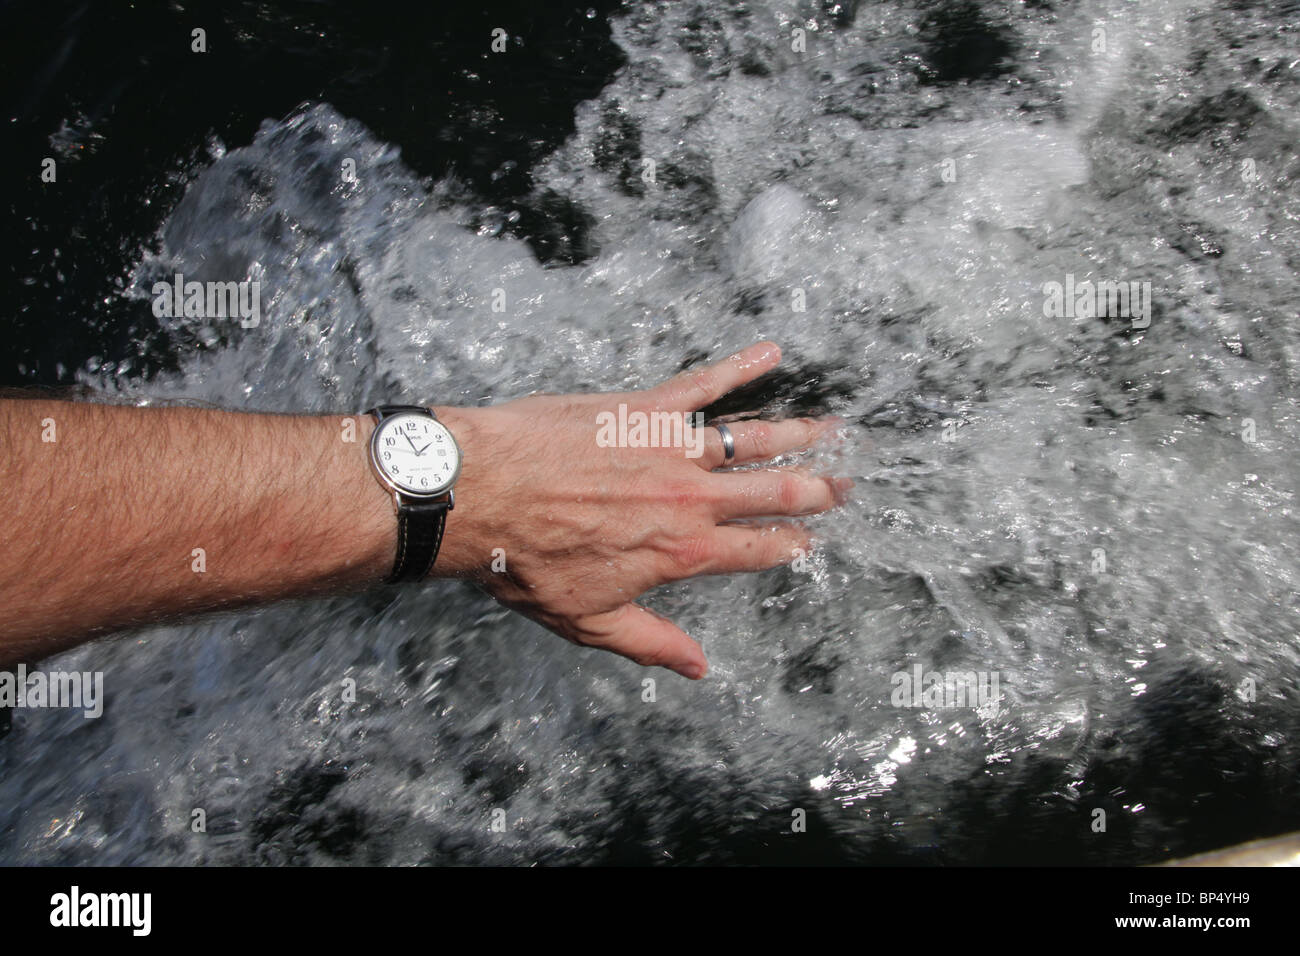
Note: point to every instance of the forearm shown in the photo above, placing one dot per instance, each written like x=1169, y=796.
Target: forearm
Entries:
x=133, y=514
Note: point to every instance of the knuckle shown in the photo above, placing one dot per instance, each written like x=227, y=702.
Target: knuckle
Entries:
x=770, y=551
x=789, y=492
x=776, y=550
x=691, y=552
x=684, y=494
x=763, y=438
x=658, y=656
x=825, y=494
x=766, y=554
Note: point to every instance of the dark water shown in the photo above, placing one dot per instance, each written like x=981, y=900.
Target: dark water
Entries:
x=1122, y=688
x=115, y=94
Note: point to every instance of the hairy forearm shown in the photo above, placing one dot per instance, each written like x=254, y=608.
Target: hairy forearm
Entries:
x=117, y=516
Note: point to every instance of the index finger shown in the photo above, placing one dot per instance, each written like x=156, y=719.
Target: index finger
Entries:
x=698, y=387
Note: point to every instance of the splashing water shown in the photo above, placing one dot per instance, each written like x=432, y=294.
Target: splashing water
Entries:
x=1067, y=502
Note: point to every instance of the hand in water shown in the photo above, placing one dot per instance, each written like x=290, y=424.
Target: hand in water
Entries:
x=586, y=529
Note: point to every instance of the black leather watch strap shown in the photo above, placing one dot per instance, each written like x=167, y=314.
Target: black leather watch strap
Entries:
x=383, y=411
x=419, y=535
x=420, y=524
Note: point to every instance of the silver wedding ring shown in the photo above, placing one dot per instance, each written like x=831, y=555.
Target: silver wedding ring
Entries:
x=728, y=443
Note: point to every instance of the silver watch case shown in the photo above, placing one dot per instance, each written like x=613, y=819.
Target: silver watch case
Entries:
x=399, y=493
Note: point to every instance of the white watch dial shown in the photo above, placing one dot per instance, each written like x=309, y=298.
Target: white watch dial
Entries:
x=416, y=453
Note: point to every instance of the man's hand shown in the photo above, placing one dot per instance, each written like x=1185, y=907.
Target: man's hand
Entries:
x=586, y=530
x=120, y=516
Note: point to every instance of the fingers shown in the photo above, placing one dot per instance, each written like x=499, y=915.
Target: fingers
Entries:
x=732, y=549
x=778, y=492
x=653, y=641
x=698, y=387
x=644, y=637
x=737, y=550
x=762, y=441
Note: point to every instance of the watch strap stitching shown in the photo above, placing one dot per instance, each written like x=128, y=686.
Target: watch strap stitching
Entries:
x=403, y=535
x=418, y=543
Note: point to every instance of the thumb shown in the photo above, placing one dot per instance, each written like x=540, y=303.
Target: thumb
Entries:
x=645, y=637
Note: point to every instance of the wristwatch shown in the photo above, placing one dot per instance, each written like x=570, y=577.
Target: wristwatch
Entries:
x=416, y=458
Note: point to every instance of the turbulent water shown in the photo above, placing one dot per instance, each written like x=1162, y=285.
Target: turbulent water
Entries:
x=1100, y=514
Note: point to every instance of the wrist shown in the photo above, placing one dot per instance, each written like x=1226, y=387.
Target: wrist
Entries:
x=464, y=554
x=366, y=507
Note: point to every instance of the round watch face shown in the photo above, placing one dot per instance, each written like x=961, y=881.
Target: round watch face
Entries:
x=415, y=454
